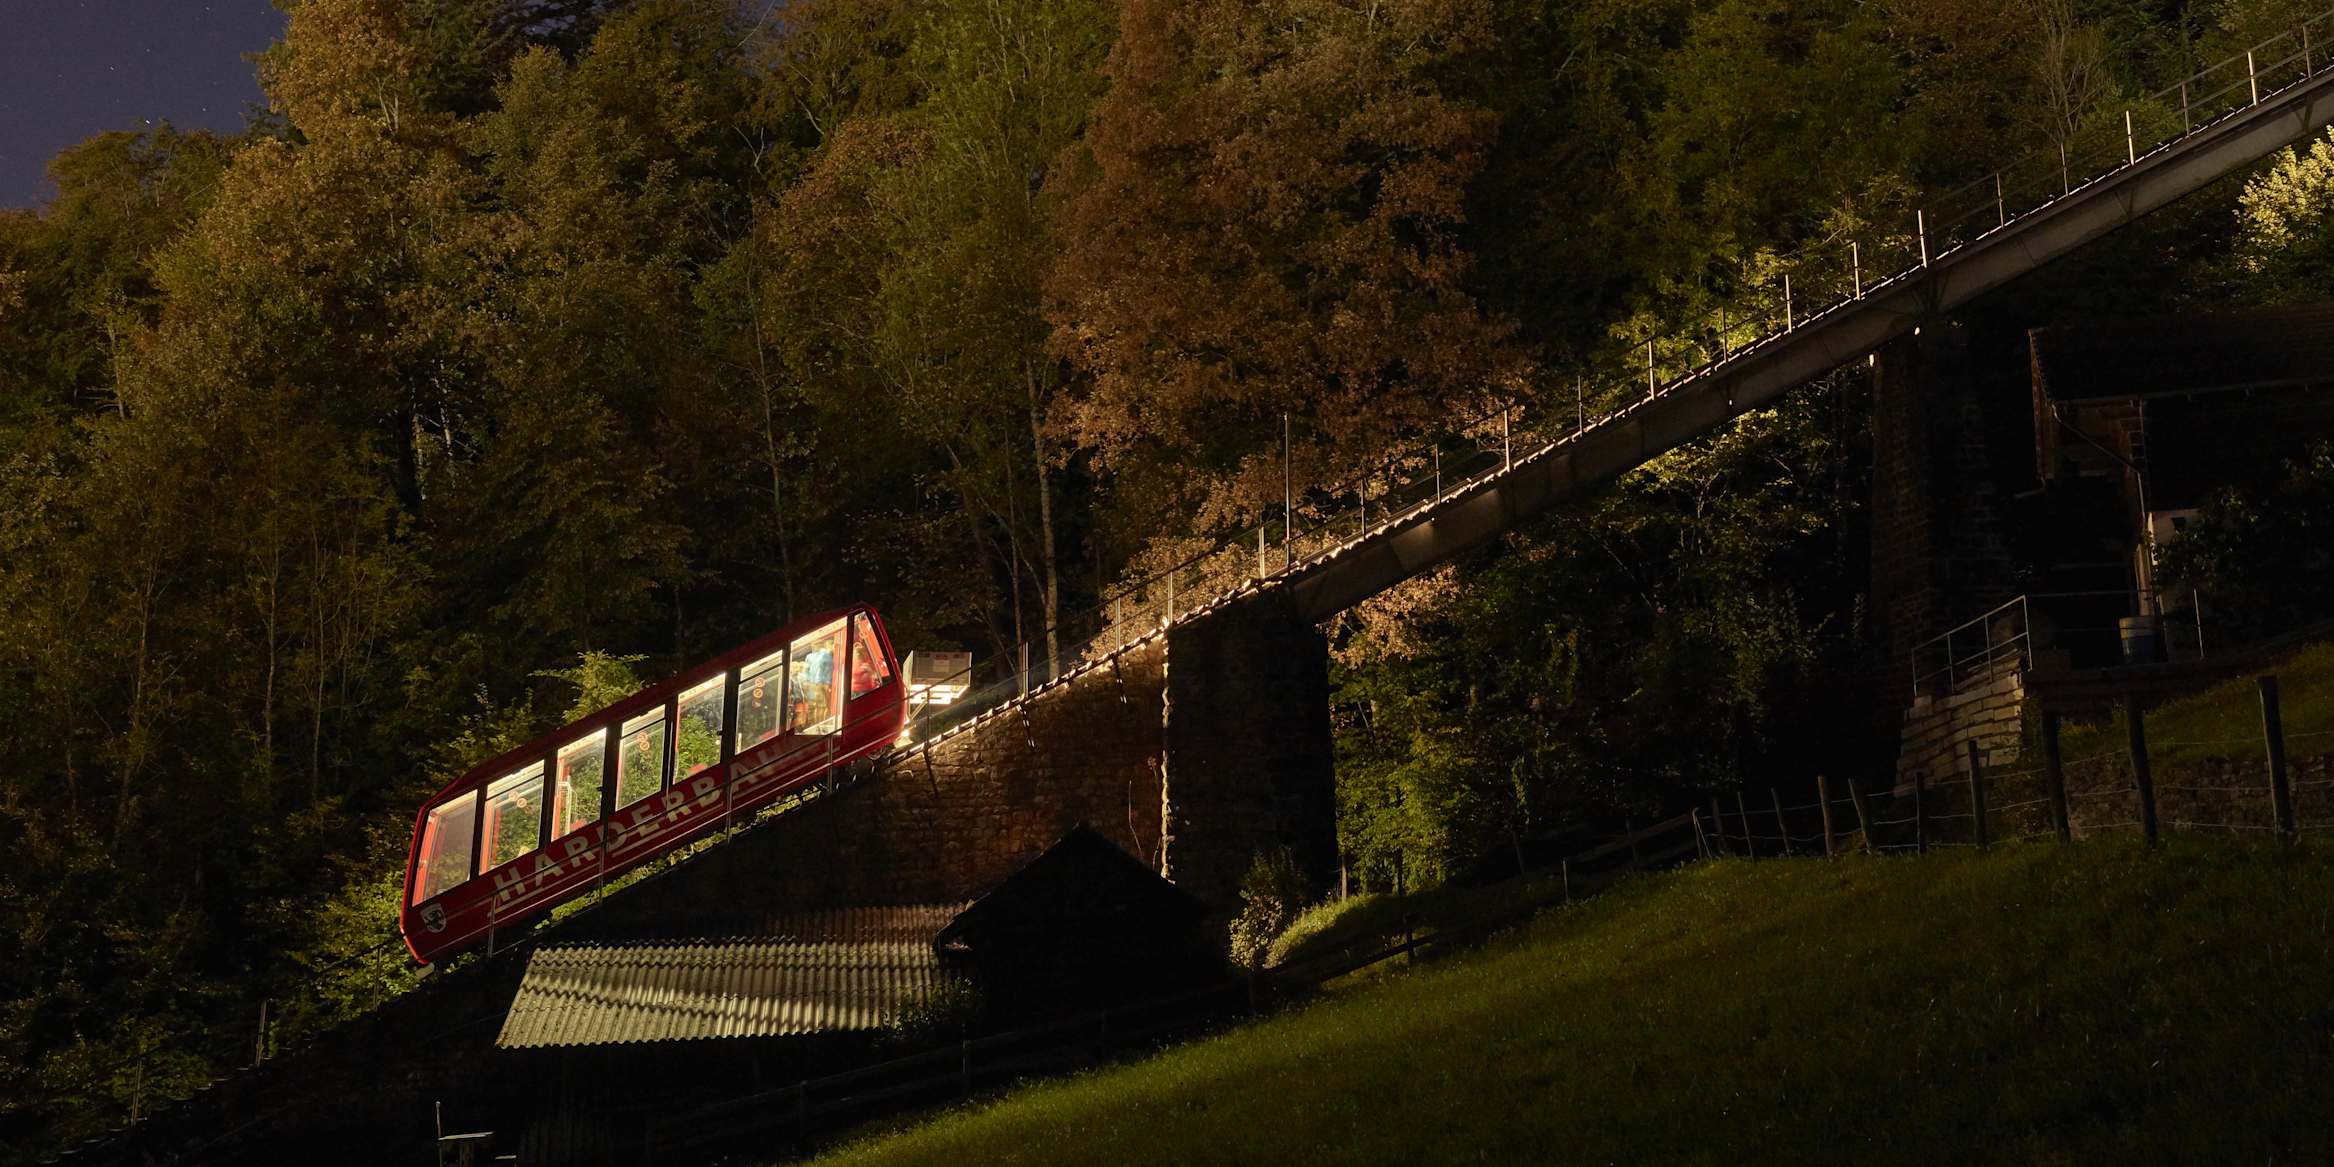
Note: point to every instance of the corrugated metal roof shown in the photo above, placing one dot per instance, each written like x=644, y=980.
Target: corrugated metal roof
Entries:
x=2193, y=353
x=847, y=969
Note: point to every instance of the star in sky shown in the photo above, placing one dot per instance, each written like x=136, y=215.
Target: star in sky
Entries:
x=71, y=69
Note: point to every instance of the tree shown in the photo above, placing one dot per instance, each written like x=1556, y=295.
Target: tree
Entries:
x=1267, y=223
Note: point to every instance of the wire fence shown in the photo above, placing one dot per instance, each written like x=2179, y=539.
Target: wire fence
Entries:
x=1775, y=293
x=2267, y=784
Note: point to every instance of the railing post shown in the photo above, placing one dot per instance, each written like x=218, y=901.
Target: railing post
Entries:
x=1921, y=226
x=1823, y=799
x=1856, y=265
x=1782, y=828
x=2306, y=67
x=2001, y=203
x=1170, y=617
x=1863, y=814
x=2130, y=145
x=1920, y=812
x=1579, y=405
x=1750, y=844
x=1260, y=571
x=2187, y=123
x=2273, y=742
x=2054, y=776
x=1651, y=387
x=1977, y=791
x=1438, y=473
x=1506, y=448
x=1025, y=644
x=2066, y=178
x=2136, y=739
x=2252, y=77
x=1790, y=320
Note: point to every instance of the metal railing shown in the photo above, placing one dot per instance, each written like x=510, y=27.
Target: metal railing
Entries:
x=1779, y=293
x=2008, y=639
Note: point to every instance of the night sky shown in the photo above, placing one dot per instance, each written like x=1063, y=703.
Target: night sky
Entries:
x=70, y=69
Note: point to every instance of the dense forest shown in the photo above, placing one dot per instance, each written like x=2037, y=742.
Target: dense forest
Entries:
x=522, y=350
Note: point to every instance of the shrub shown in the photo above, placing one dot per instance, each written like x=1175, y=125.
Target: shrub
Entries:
x=1271, y=895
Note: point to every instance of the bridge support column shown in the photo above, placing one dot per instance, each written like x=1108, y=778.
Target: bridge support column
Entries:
x=1249, y=766
x=1940, y=554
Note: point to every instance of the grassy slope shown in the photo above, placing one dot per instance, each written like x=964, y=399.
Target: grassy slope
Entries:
x=2035, y=1005
x=2228, y=716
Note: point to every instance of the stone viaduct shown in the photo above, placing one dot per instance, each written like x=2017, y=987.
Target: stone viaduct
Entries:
x=1204, y=742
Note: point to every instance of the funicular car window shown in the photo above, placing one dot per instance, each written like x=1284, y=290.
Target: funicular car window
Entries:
x=445, y=846
x=868, y=670
x=699, y=745
x=814, y=693
x=640, y=761
x=757, y=701
x=514, y=816
x=582, y=766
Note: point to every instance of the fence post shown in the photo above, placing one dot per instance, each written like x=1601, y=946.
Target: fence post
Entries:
x=1718, y=824
x=2187, y=124
x=1782, y=829
x=1750, y=843
x=1977, y=791
x=2136, y=739
x=259, y=1044
x=1823, y=798
x=1568, y=881
x=1863, y=814
x=2054, y=776
x=1920, y=813
x=2273, y=740
x=1701, y=841
x=2252, y=78
x=964, y=1064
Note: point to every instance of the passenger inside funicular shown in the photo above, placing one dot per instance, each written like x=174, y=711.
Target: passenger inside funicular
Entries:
x=813, y=704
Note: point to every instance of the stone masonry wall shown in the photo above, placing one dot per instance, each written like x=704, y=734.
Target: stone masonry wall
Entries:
x=1991, y=713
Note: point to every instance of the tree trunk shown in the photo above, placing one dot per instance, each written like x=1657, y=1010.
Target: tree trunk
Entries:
x=1045, y=525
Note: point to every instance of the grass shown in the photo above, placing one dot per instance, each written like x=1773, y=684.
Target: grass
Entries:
x=1383, y=919
x=2225, y=720
x=2091, y=1004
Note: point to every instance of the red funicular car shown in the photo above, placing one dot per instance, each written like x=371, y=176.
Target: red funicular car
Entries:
x=531, y=829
